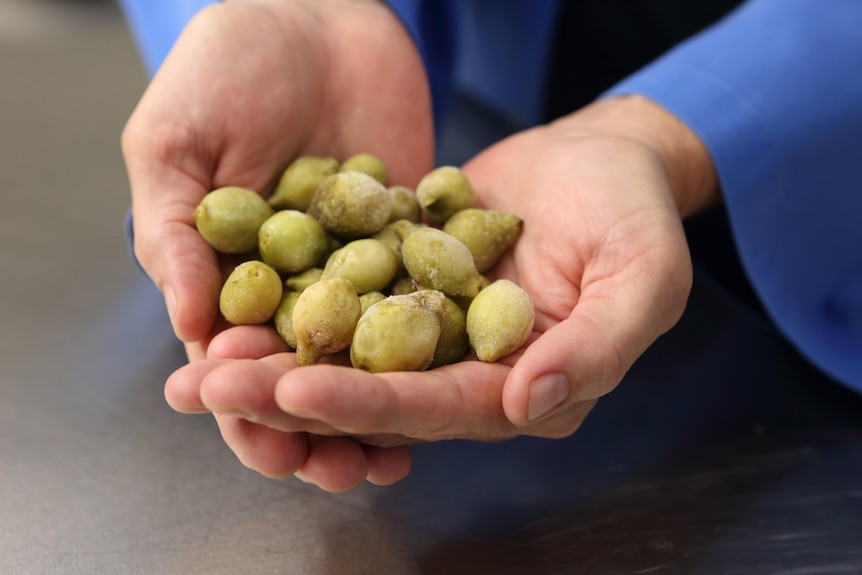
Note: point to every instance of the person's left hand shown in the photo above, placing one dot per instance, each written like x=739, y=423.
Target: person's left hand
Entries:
x=602, y=256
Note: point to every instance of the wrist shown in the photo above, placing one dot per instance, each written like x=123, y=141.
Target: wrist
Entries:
x=687, y=163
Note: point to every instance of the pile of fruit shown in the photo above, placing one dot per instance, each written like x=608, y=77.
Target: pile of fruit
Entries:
x=337, y=260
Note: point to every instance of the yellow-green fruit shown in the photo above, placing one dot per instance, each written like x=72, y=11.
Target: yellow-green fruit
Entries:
x=304, y=279
x=392, y=234
x=439, y=261
x=284, y=318
x=486, y=233
x=367, y=164
x=324, y=319
x=299, y=180
x=453, y=343
x=443, y=192
x=251, y=294
x=292, y=241
x=464, y=301
x=399, y=333
x=405, y=204
x=370, y=298
x=499, y=320
x=351, y=204
x=228, y=219
x=367, y=263
x=404, y=286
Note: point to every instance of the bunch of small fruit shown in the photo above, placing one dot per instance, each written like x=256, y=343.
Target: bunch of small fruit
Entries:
x=337, y=260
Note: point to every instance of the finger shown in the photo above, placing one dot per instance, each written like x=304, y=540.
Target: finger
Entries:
x=460, y=400
x=387, y=465
x=246, y=342
x=268, y=451
x=335, y=464
x=246, y=388
x=616, y=318
x=182, y=388
x=166, y=242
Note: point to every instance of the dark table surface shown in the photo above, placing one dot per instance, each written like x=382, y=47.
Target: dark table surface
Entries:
x=722, y=452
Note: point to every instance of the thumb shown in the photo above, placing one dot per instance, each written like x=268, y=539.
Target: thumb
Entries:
x=586, y=355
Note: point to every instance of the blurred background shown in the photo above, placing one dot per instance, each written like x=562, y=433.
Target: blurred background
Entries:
x=69, y=78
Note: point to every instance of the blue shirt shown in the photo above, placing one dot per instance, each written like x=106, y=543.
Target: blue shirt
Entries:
x=774, y=91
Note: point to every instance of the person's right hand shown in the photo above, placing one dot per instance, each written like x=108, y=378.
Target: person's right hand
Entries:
x=249, y=86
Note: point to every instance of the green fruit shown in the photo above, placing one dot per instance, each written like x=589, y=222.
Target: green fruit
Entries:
x=367, y=263
x=284, y=318
x=486, y=233
x=443, y=192
x=251, y=294
x=405, y=286
x=405, y=204
x=368, y=299
x=399, y=333
x=438, y=261
x=292, y=241
x=324, y=319
x=499, y=320
x=304, y=279
x=351, y=204
x=391, y=235
x=299, y=180
x=367, y=164
x=228, y=219
x=453, y=343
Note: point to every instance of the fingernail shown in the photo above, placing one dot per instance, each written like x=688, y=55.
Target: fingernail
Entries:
x=546, y=393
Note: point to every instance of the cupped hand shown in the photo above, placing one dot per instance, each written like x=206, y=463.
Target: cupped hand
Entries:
x=602, y=256
x=249, y=86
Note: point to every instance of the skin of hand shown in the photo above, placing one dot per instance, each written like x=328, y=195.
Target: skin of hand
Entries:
x=602, y=194
x=250, y=85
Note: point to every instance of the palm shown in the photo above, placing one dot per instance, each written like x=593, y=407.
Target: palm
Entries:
x=229, y=109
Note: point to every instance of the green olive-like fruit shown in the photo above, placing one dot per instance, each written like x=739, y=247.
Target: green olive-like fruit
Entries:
x=499, y=320
x=399, y=333
x=453, y=343
x=404, y=286
x=283, y=318
x=299, y=180
x=405, y=204
x=367, y=263
x=292, y=241
x=439, y=261
x=443, y=192
x=228, y=219
x=251, y=294
x=465, y=301
x=367, y=164
x=351, y=204
x=368, y=299
x=391, y=235
x=302, y=280
x=486, y=233
x=324, y=319
x=335, y=259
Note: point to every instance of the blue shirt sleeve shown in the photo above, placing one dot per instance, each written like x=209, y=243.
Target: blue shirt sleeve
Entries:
x=494, y=52
x=775, y=92
x=433, y=27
